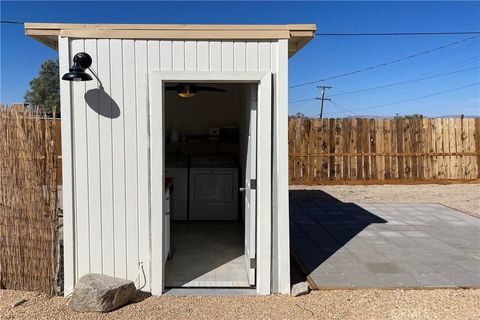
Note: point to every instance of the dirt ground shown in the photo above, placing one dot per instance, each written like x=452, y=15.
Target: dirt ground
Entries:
x=327, y=304
x=334, y=304
x=463, y=197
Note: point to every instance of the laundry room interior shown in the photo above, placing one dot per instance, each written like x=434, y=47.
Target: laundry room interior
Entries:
x=210, y=144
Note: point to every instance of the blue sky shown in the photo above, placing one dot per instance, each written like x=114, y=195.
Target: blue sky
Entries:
x=454, y=67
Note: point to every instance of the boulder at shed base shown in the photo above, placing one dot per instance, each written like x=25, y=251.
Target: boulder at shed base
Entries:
x=299, y=289
x=99, y=293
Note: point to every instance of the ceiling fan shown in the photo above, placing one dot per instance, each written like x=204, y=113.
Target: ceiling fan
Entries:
x=187, y=90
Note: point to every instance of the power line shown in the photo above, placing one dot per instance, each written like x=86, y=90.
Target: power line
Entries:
x=394, y=72
x=10, y=22
x=385, y=63
x=299, y=105
x=416, y=98
x=302, y=100
x=357, y=34
x=399, y=33
x=403, y=82
x=342, y=108
x=388, y=85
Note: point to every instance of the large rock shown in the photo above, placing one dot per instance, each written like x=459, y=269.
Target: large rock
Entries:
x=300, y=289
x=100, y=293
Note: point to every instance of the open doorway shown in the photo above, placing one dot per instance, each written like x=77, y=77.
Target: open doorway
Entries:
x=210, y=152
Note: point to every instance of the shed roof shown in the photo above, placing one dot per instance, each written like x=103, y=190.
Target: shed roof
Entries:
x=297, y=34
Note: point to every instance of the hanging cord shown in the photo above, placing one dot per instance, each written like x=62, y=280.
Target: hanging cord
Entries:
x=140, y=269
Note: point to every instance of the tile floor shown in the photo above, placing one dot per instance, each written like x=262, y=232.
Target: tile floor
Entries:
x=385, y=245
x=207, y=254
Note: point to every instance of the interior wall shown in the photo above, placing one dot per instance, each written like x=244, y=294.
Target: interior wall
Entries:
x=197, y=114
x=194, y=116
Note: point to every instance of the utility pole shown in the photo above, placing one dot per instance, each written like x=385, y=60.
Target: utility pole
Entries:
x=322, y=98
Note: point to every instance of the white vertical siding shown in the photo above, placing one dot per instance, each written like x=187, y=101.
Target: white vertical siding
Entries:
x=215, y=55
x=106, y=159
x=239, y=57
x=202, y=56
x=251, y=53
x=227, y=54
x=118, y=164
x=178, y=55
x=131, y=165
x=190, y=55
x=110, y=161
x=93, y=160
x=141, y=74
x=80, y=165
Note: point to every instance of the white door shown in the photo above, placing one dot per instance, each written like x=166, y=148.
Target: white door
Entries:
x=250, y=187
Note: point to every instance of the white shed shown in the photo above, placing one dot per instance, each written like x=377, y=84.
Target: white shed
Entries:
x=206, y=105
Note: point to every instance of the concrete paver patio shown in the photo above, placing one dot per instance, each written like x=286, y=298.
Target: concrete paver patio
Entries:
x=383, y=245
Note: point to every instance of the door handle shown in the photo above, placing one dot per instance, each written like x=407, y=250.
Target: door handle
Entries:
x=242, y=189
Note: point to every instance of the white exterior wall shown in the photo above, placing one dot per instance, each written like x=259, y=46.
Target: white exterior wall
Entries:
x=106, y=161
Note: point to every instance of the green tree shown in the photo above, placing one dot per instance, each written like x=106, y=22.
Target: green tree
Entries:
x=412, y=116
x=44, y=92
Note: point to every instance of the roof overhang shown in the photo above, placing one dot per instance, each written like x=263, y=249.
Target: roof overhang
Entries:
x=298, y=35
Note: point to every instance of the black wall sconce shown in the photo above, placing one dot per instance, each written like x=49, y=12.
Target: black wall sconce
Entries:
x=81, y=61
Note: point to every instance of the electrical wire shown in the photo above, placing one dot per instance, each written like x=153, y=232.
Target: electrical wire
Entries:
x=394, y=72
x=10, y=22
x=402, y=82
x=389, y=85
x=416, y=98
x=297, y=101
x=399, y=33
x=299, y=105
x=342, y=108
x=357, y=34
x=384, y=63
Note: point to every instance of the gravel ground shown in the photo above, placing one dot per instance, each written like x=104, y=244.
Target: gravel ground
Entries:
x=333, y=304
x=327, y=304
x=463, y=197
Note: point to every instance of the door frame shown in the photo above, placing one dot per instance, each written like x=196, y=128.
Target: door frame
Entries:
x=157, y=79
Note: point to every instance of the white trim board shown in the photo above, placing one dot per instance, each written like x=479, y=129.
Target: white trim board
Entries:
x=69, y=243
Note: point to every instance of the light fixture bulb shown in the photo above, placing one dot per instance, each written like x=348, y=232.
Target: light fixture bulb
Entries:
x=186, y=94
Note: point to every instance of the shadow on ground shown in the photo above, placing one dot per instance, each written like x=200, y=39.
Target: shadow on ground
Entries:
x=318, y=228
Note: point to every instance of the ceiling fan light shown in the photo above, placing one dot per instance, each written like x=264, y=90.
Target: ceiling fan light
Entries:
x=186, y=94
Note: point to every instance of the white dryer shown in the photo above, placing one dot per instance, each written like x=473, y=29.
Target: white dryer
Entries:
x=176, y=167
x=213, y=188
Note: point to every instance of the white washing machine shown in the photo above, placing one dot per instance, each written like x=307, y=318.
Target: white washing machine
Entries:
x=213, y=188
x=177, y=168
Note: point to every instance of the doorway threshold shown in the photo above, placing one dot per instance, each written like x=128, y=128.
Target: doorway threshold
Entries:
x=210, y=292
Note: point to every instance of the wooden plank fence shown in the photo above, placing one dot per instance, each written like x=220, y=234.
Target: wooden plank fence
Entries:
x=361, y=149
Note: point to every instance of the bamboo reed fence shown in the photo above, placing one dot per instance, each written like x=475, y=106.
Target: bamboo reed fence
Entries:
x=28, y=198
x=375, y=150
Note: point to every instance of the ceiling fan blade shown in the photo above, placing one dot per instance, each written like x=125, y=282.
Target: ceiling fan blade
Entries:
x=205, y=88
x=173, y=88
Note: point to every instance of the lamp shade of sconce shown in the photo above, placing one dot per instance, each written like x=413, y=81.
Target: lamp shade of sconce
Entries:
x=81, y=61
